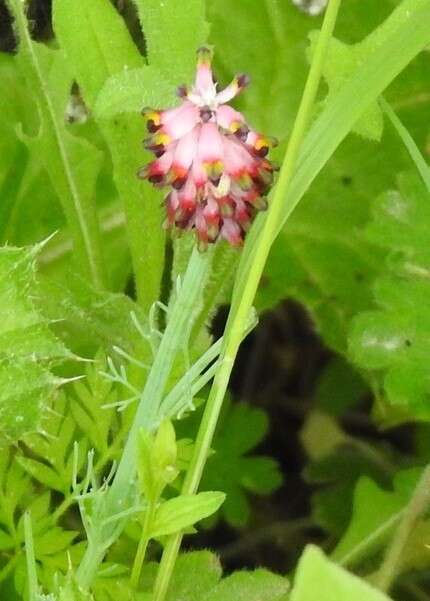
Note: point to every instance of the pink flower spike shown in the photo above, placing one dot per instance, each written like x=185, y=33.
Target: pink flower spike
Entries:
x=213, y=162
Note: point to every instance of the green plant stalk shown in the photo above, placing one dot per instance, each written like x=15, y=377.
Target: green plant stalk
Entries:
x=416, y=507
x=143, y=544
x=30, y=558
x=85, y=232
x=239, y=312
x=175, y=338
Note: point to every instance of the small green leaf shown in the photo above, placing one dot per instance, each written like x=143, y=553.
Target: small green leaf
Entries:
x=317, y=576
x=184, y=511
x=53, y=541
x=368, y=530
x=41, y=472
x=164, y=452
x=259, y=585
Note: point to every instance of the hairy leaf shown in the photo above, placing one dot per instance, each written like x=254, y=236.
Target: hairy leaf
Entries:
x=173, y=32
x=28, y=348
x=100, y=33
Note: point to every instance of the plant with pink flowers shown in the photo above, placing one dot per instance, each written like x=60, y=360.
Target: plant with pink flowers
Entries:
x=119, y=429
x=211, y=159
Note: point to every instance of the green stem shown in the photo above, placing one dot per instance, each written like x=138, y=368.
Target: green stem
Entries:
x=143, y=544
x=30, y=558
x=175, y=338
x=241, y=309
x=418, y=504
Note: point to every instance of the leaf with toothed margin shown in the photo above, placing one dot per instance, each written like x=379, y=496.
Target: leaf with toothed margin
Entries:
x=28, y=348
x=131, y=90
x=173, y=32
x=393, y=342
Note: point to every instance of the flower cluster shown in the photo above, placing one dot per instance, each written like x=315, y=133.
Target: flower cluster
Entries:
x=211, y=160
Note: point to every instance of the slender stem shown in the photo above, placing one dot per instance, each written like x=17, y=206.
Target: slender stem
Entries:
x=418, y=504
x=239, y=313
x=143, y=544
x=30, y=558
x=175, y=338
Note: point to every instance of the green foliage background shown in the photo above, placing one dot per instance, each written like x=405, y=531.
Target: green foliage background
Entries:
x=84, y=260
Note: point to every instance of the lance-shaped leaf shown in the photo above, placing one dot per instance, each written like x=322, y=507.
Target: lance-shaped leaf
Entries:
x=98, y=46
x=72, y=163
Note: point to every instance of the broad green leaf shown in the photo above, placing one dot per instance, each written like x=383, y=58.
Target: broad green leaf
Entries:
x=368, y=530
x=173, y=32
x=27, y=346
x=259, y=585
x=72, y=163
x=332, y=583
x=394, y=338
x=102, y=45
x=181, y=512
x=193, y=576
x=195, y=573
x=131, y=90
x=99, y=32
